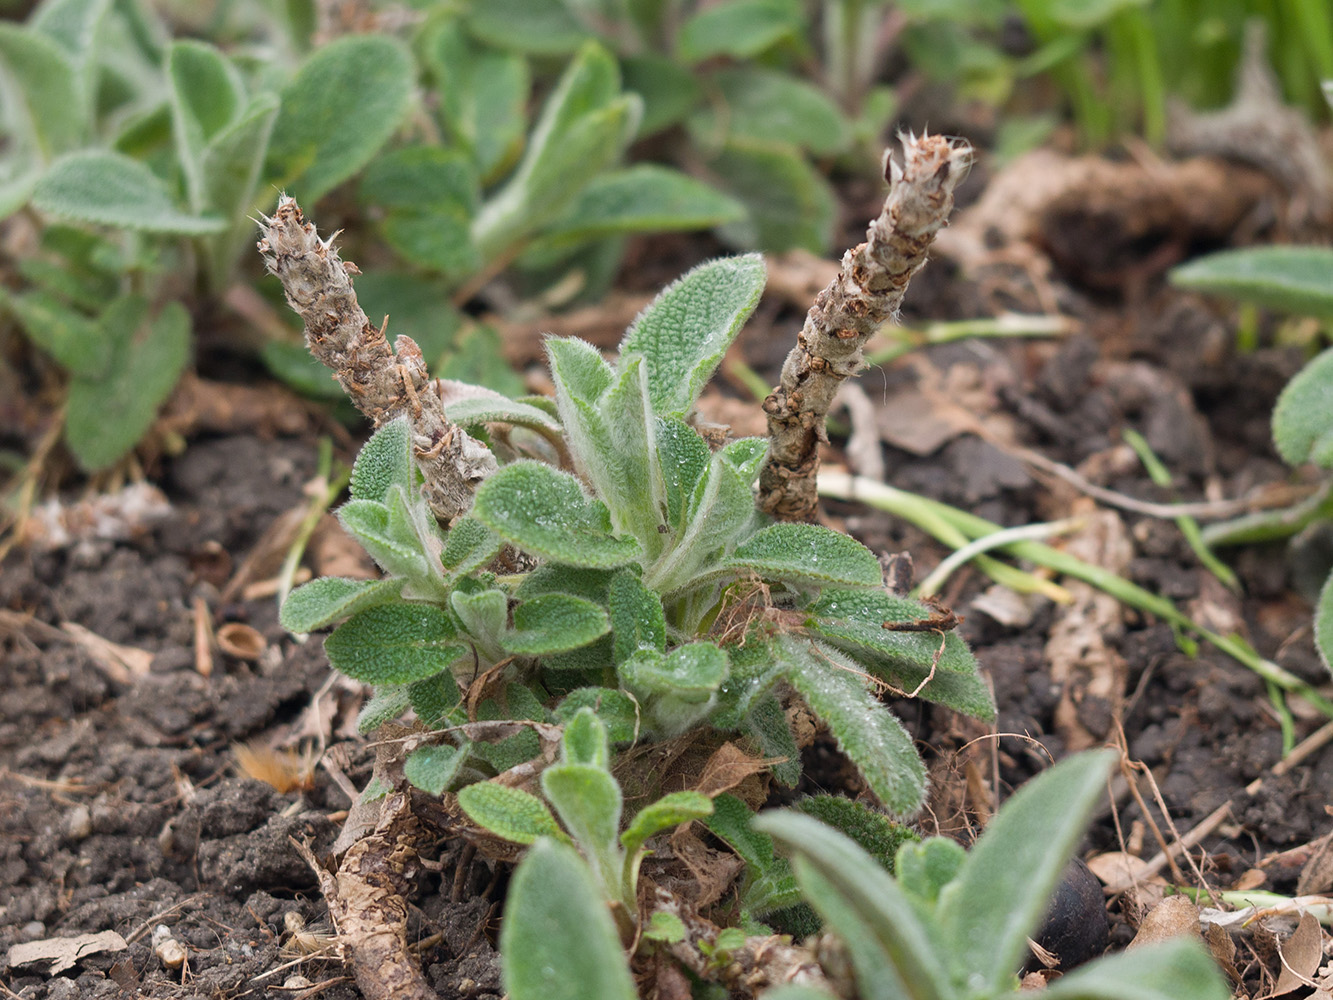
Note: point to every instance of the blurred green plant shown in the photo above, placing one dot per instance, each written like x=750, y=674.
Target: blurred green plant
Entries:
x=1297, y=280
x=955, y=924
x=150, y=152
x=731, y=79
x=1115, y=63
x=940, y=924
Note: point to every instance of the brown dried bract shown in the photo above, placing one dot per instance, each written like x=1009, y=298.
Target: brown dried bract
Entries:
x=866, y=294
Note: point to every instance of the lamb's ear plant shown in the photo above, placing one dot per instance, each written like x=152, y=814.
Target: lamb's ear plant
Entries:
x=953, y=925
x=594, y=561
x=589, y=802
x=1296, y=280
x=657, y=582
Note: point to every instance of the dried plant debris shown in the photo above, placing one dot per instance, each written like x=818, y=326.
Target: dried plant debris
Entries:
x=1258, y=129
x=383, y=382
x=866, y=293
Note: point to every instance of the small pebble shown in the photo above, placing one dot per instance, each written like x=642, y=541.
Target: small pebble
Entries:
x=79, y=823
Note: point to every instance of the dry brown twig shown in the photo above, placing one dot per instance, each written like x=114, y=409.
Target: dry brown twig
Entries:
x=866, y=293
x=383, y=382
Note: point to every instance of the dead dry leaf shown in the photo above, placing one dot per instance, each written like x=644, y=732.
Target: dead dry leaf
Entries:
x=64, y=952
x=727, y=768
x=1173, y=917
x=1301, y=956
x=1090, y=673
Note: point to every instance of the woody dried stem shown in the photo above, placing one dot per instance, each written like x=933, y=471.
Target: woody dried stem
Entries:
x=866, y=293
x=383, y=382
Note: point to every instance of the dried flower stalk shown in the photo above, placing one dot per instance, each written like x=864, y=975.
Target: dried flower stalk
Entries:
x=384, y=383
x=866, y=293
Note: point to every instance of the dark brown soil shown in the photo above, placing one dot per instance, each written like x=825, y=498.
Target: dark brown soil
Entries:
x=122, y=808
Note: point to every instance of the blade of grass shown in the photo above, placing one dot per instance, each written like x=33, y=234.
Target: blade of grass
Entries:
x=934, y=582
x=926, y=514
x=904, y=340
x=1189, y=527
x=320, y=502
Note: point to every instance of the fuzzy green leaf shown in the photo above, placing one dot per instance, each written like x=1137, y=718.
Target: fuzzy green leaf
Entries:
x=338, y=110
x=488, y=409
x=852, y=623
x=584, y=740
x=754, y=671
x=641, y=199
x=545, y=512
x=469, y=545
x=692, y=672
x=766, y=723
x=1289, y=279
x=430, y=196
x=74, y=340
x=484, y=615
x=806, y=553
x=682, y=459
x=893, y=952
x=387, y=540
x=720, y=509
x=206, y=96
x=389, y=702
x=482, y=94
x=383, y=461
x=667, y=812
x=395, y=644
x=1005, y=885
x=746, y=456
x=578, y=368
x=322, y=602
x=926, y=867
x=765, y=105
x=104, y=417
x=1303, y=416
x=669, y=90
x=584, y=128
x=866, y=731
x=542, y=27
x=741, y=29
x=591, y=584
x=588, y=801
x=685, y=330
x=46, y=92
x=874, y=832
x=665, y=927
x=732, y=822
x=558, y=941
x=511, y=813
x=1323, y=624
x=231, y=166
x=623, y=475
x=637, y=619
x=77, y=27
x=616, y=709
x=110, y=189
x=517, y=702
x=1176, y=969
x=435, y=700
x=554, y=623
x=791, y=206
x=434, y=768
